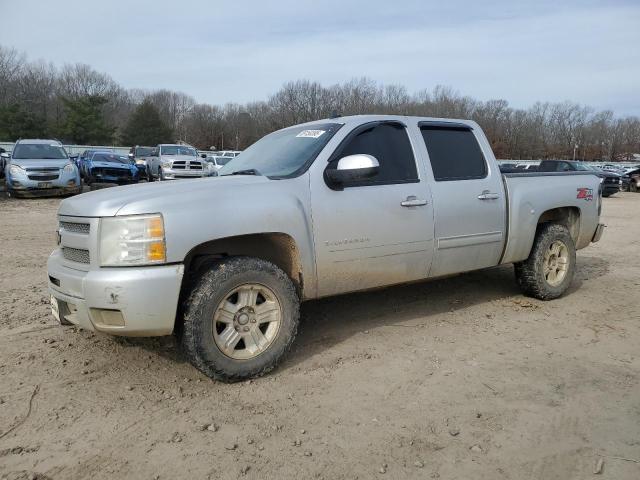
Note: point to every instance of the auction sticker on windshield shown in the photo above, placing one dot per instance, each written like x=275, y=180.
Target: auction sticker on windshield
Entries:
x=310, y=133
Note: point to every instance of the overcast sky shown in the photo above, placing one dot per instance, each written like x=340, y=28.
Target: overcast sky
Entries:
x=237, y=51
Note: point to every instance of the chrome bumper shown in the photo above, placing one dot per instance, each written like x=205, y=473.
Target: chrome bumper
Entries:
x=598, y=233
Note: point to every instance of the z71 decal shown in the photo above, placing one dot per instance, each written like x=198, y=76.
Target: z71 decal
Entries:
x=585, y=194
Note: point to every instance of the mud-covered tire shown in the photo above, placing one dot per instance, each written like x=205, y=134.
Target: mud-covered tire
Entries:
x=197, y=337
x=530, y=274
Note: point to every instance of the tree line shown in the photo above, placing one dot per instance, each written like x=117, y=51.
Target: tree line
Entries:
x=78, y=104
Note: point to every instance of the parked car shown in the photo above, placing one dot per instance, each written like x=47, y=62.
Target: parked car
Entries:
x=228, y=153
x=84, y=157
x=217, y=162
x=109, y=167
x=611, y=182
x=314, y=210
x=40, y=167
x=171, y=161
x=140, y=156
x=628, y=184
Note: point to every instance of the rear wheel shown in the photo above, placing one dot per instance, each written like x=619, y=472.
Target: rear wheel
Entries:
x=240, y=319
x=550, y=268
x=633, y=187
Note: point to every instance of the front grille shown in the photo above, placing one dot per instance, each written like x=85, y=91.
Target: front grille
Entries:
x=611, y=180
x=76, y=255
x=43, y=177
x=182, y=165
x=111, y=172
x=82, y=228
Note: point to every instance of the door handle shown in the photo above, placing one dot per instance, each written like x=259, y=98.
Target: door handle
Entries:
x=412, y=201
x=487, y=195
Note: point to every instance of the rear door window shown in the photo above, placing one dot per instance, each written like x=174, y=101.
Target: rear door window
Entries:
x=454, y=153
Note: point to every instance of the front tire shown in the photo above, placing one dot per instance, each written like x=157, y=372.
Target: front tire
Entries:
x=551, y=265
x=240, y=319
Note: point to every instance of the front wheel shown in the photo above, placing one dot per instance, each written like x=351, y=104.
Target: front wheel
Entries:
x=240, y=319
x=551, y=265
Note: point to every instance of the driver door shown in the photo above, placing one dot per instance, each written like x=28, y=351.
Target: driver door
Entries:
x=378, y=231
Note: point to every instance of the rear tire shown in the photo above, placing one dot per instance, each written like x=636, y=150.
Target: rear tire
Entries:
x=551, y=265
x=633, y=187
x=240, y=319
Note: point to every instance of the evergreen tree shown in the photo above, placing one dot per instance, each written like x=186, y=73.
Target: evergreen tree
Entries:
x=145, y=127
x=16, y=123
x=84, y=121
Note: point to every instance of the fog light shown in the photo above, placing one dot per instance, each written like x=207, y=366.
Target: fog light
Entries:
x=107, y=318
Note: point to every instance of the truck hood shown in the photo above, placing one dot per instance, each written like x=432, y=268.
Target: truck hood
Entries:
x=159, y=196
x=39, y=163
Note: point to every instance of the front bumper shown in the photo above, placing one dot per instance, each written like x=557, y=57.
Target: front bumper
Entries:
x=171, y=174
x=61, y=186
x=128, y=301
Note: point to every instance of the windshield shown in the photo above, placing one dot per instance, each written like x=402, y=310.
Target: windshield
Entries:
x=283, y=153
x=223, y=160
x=110, y=157
x=143, y=151
x=39, y=151
x=177, y=150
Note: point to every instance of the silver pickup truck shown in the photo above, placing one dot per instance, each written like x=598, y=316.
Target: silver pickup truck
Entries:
x=313, y=210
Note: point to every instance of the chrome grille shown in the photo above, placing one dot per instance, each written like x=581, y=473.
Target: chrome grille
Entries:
x=82, y=228
x=76, y=255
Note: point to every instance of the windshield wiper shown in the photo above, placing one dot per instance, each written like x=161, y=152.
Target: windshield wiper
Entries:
x=249, y=171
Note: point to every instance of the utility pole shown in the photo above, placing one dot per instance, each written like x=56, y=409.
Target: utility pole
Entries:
x=575, y=147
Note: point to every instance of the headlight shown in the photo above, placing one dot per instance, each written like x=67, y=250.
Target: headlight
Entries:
x=132, y=240
x=141, y=162
x=69, y=168
x=166, y=164
x=16, y=170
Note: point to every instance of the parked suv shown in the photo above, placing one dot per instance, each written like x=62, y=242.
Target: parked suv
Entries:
x=172, y=161
x=41, y=167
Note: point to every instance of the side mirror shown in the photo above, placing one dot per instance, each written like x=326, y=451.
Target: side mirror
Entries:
x=73, y=157
x=352, y=168
x=203, y=155
x=4, y=155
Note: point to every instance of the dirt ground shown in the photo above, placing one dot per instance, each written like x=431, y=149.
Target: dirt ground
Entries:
x=462, y=378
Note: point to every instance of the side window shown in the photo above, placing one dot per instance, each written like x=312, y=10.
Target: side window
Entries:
x=454, y=153
x=390, y=144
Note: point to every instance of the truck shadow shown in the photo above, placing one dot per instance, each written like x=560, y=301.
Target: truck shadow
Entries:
x=328, y=322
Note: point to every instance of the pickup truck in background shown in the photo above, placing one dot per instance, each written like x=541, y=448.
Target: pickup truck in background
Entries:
x=611, y=182
x=174, y=161
x=319, y=209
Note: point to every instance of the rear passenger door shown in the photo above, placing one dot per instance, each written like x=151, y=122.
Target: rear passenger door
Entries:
x=468, y=199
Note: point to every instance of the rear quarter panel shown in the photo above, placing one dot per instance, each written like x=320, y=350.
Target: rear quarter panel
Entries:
x=531, y=195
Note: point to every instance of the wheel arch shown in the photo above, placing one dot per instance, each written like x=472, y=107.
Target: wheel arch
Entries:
x=278, y=248
x=567, y=216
